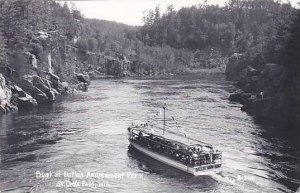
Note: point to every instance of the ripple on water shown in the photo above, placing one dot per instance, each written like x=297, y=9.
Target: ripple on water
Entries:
x=87, y=132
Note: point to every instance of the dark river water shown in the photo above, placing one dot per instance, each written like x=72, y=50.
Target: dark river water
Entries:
x=85, y=133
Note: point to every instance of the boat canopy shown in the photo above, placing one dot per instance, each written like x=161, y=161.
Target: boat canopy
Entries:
x=171, y=136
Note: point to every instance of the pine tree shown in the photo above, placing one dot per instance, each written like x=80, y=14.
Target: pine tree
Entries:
x=13, y=23
x=292, y=53
x=3, y=51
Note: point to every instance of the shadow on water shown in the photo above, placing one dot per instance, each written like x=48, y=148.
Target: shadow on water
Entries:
x=154, y=167
x=22, y=135
x=283, y=151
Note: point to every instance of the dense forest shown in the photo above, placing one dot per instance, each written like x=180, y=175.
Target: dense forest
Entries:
x=258, y=28
x=256, y=41
x=202, y=36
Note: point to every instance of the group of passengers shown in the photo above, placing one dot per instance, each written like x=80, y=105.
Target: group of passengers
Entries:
x=192, y=156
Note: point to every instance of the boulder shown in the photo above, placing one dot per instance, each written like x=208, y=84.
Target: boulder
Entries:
x=2, y=109
x=55, y=91
x=41, y=98
x=260, y=108
x=10, y=107
x=26, y=103
x=28, y=84
x=65, y=86
x=5, y=94
x=83, y=78
x=240, y=97
x=41, y=84
x=82, y=86
x=6, y=108
x=55, y=81
x=51, y=96
x=17, y=90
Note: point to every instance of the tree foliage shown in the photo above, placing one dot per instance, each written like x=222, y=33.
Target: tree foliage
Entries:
x=243, y=26
x=3, y=50
x=195, y=37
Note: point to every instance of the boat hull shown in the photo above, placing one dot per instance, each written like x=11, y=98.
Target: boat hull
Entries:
x=178, y=165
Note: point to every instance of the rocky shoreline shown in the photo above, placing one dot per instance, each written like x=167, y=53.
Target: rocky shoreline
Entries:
x=263, y=91
x=29, y=91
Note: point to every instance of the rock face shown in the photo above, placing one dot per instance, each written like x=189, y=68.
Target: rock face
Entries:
x=36, y=71
x=32, y=90
x=25, y=103
x=83, y=81
x=83, y=78
x=11, y=96
x=240, y=96
x=23, y=100
x=42, y=89
x=263, y=92
x=5, y=96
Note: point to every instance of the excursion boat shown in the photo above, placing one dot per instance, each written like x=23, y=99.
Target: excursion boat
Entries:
x=175, y=149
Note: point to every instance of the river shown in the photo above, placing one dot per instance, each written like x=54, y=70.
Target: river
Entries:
x=85, y=133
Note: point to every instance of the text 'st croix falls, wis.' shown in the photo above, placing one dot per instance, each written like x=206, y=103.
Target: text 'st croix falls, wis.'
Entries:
x=150, y=96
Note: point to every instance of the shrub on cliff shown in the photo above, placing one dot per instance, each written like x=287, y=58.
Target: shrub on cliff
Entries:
x=36, y=49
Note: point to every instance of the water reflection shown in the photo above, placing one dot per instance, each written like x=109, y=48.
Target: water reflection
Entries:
x=23, y=135
x=283, y=153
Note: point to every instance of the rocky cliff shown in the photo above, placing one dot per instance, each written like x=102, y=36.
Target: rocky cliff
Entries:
x=40, y=72
x=5, y=96
x=263, y=90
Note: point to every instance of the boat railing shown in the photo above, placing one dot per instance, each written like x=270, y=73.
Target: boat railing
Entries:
x=159, y=143
x=176, y=150
x=177, y=134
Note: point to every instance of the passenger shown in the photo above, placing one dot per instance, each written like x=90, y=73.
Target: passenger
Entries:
x=140, y=137
x=195, y=156
x=187, y=161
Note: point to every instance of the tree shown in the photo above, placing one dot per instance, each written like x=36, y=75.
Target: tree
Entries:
x=13, y=23
x=292, y=53
x=3, y=51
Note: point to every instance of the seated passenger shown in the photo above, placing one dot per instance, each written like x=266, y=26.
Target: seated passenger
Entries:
x=195, y=156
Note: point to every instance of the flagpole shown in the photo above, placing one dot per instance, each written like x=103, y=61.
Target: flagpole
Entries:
x=164, y=119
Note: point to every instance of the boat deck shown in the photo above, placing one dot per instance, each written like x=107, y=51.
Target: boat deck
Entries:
x=207, y=169
x=173, y=136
